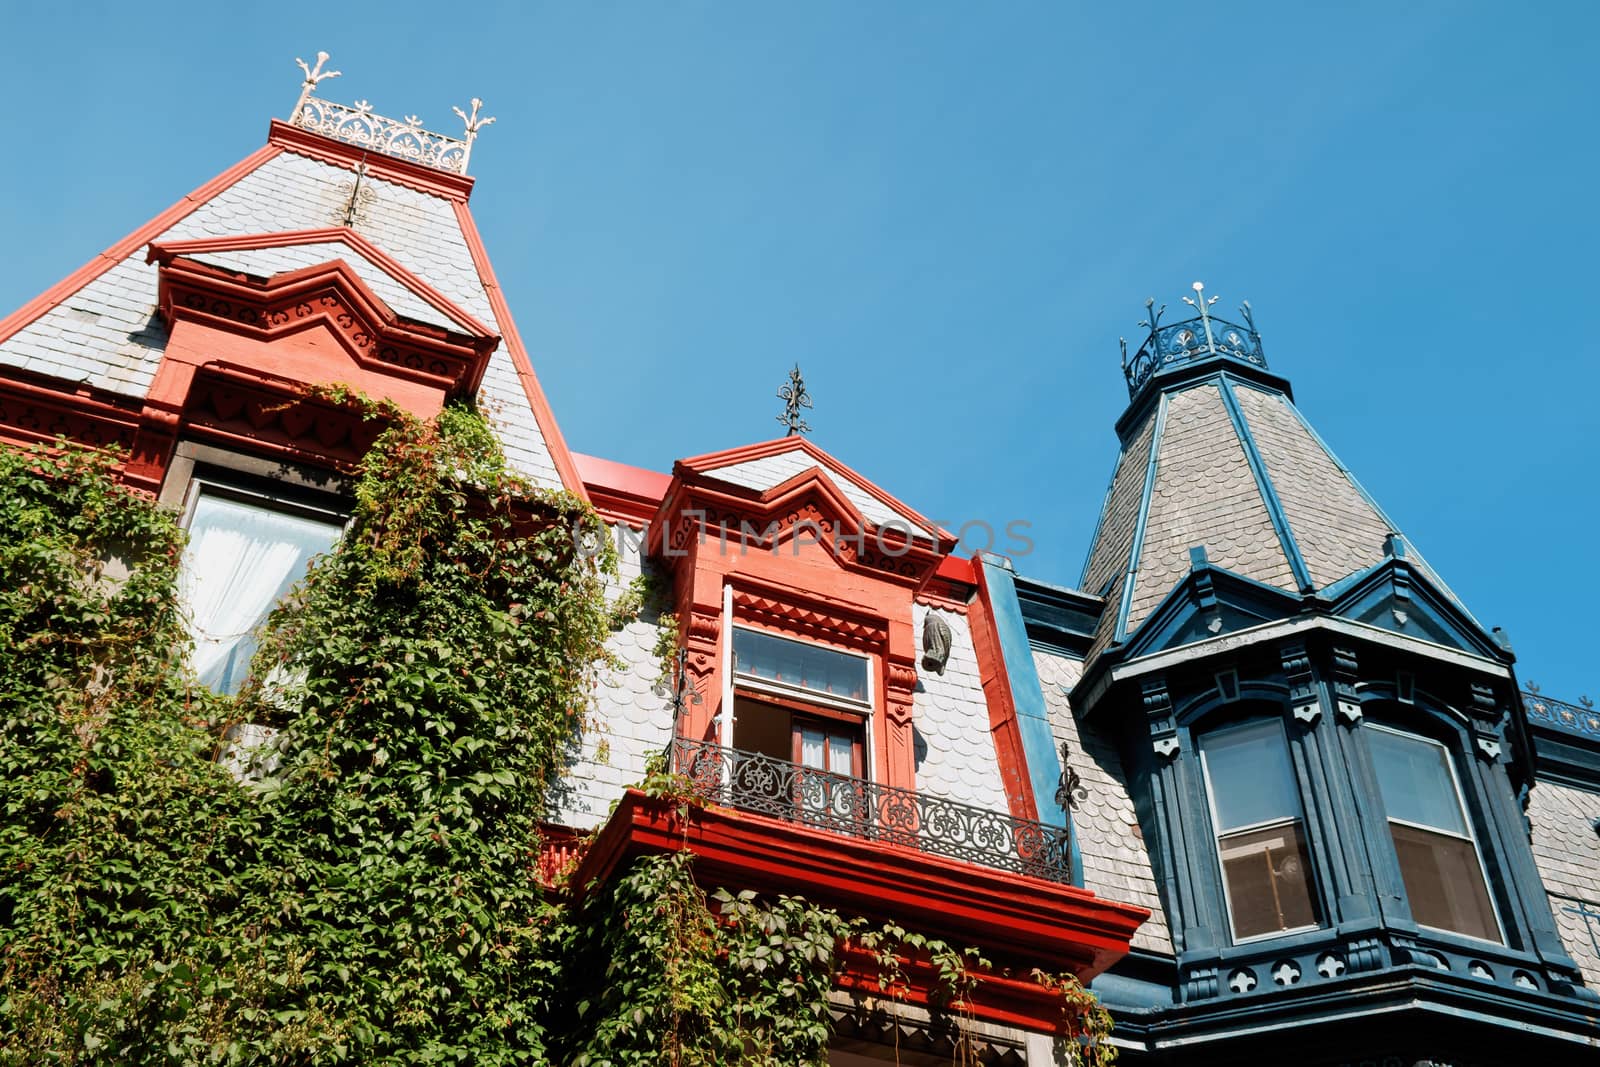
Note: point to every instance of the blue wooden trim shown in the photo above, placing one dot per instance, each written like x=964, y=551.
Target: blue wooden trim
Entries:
x=1027, y=695
x=1105, y=509
x=1132, y=572
x=1269, y=495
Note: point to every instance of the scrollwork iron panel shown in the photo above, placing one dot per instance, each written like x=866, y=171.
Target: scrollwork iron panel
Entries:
x=405, y=140
x=1180, y=342
x=858, y=808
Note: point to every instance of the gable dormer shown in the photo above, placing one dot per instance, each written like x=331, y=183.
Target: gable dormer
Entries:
x=794, y=578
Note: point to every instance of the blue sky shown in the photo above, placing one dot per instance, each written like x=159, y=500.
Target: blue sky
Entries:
x=947, y=213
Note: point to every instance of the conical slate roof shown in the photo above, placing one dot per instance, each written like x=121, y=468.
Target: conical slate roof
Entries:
x=1217, y=455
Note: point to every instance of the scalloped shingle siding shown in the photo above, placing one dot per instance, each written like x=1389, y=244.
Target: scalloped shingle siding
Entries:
x=1114, y=538
x=630, y=722
x=955, y=748
x=1567, y=850
x=1115, y=862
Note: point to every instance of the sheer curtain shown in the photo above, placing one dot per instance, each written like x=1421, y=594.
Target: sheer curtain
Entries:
x=241, y=559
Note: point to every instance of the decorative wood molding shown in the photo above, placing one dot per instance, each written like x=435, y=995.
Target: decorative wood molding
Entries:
x=330, y=294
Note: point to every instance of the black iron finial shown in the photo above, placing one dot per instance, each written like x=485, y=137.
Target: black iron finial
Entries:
x=1070, y=790
x=1203, y=337
x=794, y=397
x=681, y=689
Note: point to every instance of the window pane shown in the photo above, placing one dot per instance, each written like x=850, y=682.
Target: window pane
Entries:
x=1444, y=882
x=1251, y=780
x=811, y=748
x=795, y=663
x=1268, y=887
x=1415, y=780
x=241, y=559
x=840, y=753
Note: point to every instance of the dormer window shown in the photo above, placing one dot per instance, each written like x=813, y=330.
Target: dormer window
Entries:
x=801, y=703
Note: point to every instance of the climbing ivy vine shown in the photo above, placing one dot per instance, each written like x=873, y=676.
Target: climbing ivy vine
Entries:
x=372, y=898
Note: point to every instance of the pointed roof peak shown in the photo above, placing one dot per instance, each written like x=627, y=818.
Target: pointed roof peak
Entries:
x=1217, y=457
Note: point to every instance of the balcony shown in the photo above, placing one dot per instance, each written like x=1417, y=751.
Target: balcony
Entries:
x=854, y=807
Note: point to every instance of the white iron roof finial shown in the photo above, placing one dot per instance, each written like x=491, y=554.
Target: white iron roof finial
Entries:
x=313, y=76
x=474, y=124
x=1199, y=301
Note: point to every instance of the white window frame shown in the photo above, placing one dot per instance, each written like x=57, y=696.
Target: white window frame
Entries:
x=1217, y=832
x=1470, y=836
x=753, y=683
x=201, y=483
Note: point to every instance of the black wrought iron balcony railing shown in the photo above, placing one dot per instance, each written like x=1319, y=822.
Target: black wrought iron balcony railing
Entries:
x=858, y=808
x=1191, y=340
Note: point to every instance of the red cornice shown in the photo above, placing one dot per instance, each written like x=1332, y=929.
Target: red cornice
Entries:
x=705, y=464
x=456, y=187
x=332, y=293
x=622, y=493
x=132, y=243
x=164, y=251
x=244, y=408
x=553, y=441
x=998, y=998
x=37, y=410
x=1017, y=922
x=699, y=506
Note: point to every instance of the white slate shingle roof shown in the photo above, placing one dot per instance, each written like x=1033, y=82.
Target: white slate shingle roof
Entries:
x=767, y=471
x=265, y=262
x=108, y=335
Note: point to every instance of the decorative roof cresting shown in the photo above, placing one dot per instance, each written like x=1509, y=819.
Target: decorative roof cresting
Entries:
x=1190, y=340
x=404, y=139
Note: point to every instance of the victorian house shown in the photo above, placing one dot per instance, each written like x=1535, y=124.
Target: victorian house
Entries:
x=1262, y=780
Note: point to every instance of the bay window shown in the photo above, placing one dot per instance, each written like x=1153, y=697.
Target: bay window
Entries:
x=1432, y=834
x=1259, y=829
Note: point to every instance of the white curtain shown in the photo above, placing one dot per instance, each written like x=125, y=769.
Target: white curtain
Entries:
x=241, y=559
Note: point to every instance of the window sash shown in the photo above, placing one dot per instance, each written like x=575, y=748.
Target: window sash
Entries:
x=1274, y=792
x=773, y=679
x=1420, y=799
x=1285, y=793
x=1280, y=896
x=1481, y=882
